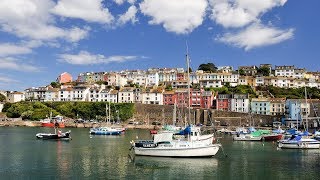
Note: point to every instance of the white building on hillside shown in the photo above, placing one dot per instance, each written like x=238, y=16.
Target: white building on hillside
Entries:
x=13, y=97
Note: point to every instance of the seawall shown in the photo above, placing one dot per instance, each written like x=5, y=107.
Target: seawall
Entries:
x=164, y=114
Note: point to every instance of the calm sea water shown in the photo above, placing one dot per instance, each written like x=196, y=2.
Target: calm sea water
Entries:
x=22, y=156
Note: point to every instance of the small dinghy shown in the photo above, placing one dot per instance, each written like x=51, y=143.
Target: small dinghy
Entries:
x=56, y=136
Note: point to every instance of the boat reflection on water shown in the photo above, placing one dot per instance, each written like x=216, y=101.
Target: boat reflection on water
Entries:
x=163, y=167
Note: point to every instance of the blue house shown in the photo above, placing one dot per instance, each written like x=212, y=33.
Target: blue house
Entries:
x=293, y=112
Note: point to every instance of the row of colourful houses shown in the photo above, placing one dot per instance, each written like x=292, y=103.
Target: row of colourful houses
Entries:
x=280, y=76
x=292, y=110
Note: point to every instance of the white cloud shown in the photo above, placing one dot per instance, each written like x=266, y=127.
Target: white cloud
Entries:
x=239, y=13
x=88, y=10
x=31, y=19
x=179, y=16
x=130, y=15
x=131, y=1
x=7, y=80
x=13, y=64
x=256, y=35
x=119, y=2
x=75, y=34
x=85, y=58
x=7, y=49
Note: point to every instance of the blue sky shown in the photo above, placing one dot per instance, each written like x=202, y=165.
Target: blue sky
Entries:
x=39, y=39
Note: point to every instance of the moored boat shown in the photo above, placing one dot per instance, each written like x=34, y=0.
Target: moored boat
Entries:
x=246, y=137
x=272, y=137
x=164, y=145
x=55, y=136
x=53, y=122
x=297, y=142
x=106, y=131
x=153, y=131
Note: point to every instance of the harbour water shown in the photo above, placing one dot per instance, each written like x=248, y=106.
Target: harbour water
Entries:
x=22, y=156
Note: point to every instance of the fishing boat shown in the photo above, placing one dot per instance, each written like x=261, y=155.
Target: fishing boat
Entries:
x=53, y=122
x=165, y=145
x=55, y=136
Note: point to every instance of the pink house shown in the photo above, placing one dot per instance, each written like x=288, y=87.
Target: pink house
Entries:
x=64, y=78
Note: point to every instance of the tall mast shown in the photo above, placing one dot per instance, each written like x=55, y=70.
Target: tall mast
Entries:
x=188, y=81
x=305, y=94
x=109, y=112
x=106, y=112
x=174, y=115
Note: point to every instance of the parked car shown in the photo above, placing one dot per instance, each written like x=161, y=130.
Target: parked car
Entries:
x=133, y=122
x=79, y=121
x=156, y=123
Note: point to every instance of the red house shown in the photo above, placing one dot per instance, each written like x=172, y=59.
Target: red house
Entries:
x=223, y=102
x=64, y=78
x=207, y=98
x=169, y=98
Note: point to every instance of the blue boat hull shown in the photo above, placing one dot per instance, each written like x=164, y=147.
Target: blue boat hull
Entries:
x=105, y=132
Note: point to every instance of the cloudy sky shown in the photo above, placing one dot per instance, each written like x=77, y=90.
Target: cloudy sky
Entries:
x=39, y=39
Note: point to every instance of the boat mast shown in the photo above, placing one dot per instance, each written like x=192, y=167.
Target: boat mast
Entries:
x=106, y=112
x=305, y=96
x=109, y=112
x=188, y=81
x=174, y=116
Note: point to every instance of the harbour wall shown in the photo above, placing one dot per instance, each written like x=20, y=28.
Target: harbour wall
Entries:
x=148, y=113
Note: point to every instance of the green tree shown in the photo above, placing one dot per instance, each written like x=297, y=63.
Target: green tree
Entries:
x=168, y=88
x=101, y=82
x=55, y=85
x=241, y=72
x=209, y=67
x=6, y=106
x=2, y=98
x=264, y=70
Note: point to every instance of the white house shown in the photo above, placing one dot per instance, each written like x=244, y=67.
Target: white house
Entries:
x=240, y=103
x=153, y=96
x=126, y=95
x=13, y=97
x=52, y=94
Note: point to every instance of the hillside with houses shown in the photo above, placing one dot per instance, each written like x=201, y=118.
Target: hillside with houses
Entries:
x=249, y=89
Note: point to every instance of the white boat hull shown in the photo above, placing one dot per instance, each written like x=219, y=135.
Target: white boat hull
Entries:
x=206, y=151
x=298, y=144
x=244, y=137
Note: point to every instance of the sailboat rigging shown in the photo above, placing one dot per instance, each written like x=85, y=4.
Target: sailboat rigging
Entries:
x=164, y=145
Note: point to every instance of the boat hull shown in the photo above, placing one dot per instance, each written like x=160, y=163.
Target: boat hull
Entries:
x=246, y=138
x=51, y=125
x=272, y=137
x=207, y=151
x=106, y=132
x=299, y=144
x=47, y=136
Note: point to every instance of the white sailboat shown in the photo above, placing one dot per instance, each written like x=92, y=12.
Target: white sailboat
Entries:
x=107, y=130
x=164, y=144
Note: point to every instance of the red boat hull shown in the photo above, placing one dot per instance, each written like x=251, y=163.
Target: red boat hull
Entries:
x=272, y=137
x=60, y=125
x=153, y=131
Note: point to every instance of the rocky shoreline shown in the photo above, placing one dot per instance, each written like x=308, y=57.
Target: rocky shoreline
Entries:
x=70, y=125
